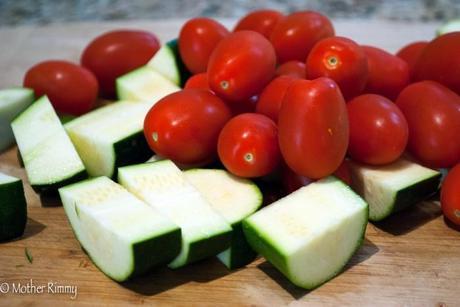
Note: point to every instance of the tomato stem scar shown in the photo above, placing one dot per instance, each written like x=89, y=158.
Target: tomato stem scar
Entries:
x=224, y=84
x=248, y=157
x=155, y=136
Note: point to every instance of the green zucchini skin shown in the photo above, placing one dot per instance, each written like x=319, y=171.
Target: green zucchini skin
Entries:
x=209, y=247
x=416, y=193
x=131, y=150
x=13, y=210
x=169, y=242
x=52, y=189
x=262, y=246
x=241, y=252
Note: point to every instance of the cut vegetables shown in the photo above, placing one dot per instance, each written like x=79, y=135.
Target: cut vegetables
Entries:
x=13, y=207
x=167, y=62
x=162, y=185
x=391, y=188
x=49, y=157
x=144, y=84
x=12, y=102
x=311, y=234
x=234, y=199
x=122, y=235
x=110, y=136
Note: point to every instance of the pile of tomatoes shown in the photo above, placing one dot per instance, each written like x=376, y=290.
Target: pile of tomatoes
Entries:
x=281, y=94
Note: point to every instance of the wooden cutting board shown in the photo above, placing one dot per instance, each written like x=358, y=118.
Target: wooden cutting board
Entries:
x=412, y=259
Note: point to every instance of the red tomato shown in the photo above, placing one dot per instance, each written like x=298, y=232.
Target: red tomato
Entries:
x=313, y=127
x=72, y=89
x=342, y=60
x=295, y=35
x=184, y=126
x=272, y=96
x=198, y=81
x=433, y=115
x=294, y=69
x=197, y=39
x=201, y=81
x=388, y=74
x=261, y=21
x=410, y=53
x=246, y=106
x=248, y=145
x=292, y=181
x=450, y=195
x=115, y=53
x=378, y=130
x=241, y=65
x=440, y=62
x=344, y=172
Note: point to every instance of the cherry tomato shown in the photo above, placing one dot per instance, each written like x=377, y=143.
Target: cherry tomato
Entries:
x=241, y=65
x=184, y=126
x=72, y=89
x=388, y=74
x=313, y=127
x=410, y=53
x=344, y=172
x=439, y=61
x=198, y=81
x=201, y=81
x=245, y=106
x=433, y=115
x=261, y=21
x=272, y=96
x=292, y=181
x=450, y=195
x=342, y=60
x=294, y=69
x=295, y=35
x=248, y=145
x=115, y=53
x=197, y=39
x=378, y=130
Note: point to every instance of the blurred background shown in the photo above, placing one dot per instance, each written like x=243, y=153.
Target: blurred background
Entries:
x=19, y=12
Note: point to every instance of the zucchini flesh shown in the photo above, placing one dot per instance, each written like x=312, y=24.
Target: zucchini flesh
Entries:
x=162, y=185
x=13, y=207
x=122, y=235
x=144, y=84
x=391, y=188
x=310, y=234
x=111, y=136
x=49, y=157
x=451, y=26
x=234, y=199
x=12, y=102
x=167, y=62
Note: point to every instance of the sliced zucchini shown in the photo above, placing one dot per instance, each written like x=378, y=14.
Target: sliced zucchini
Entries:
x=391, y=188
x=167, y=62
x=234, y=199
x=49, y=157
x=13, y=207
x=144, y=84
x=12, y=102
x=451, y=26
x=311, y=234
x=162, y=185
x=111, y=136
x=155, y=158
x=122, y=235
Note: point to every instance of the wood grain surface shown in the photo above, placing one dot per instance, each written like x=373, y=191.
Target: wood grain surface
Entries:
x=412, y=259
